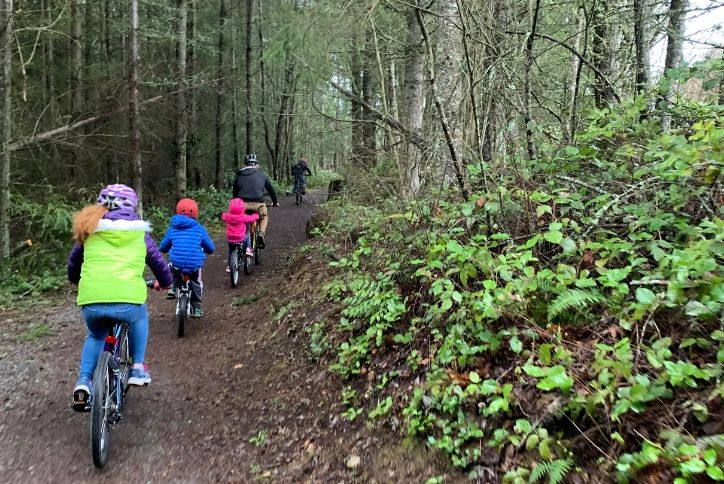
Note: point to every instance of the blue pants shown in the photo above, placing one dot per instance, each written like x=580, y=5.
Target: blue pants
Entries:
x=96, y=320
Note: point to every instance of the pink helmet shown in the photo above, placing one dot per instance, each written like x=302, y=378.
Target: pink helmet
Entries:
x=118, y=196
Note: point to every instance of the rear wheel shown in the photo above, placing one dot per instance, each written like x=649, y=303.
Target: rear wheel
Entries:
x=248, y=264
x=102, y=395
x=183, y=302
x=234, y=268
x=257, y=256
x=124, y=354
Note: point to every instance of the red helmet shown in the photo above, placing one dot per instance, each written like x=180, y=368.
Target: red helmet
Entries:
x=187, y=207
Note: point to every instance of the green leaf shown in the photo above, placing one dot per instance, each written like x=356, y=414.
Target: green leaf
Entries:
x=554, y=237
x=710, y=456
x=474, y=377
x=695, y=308
x=693, y=466
x=534, y=371
x=516, y=345
x=715, y=473
x=645, y=296
x=569, y=245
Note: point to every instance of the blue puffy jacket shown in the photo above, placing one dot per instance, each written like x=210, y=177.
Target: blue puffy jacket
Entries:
x=187, y=243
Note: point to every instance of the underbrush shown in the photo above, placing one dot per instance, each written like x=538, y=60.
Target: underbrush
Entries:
x=560, y=324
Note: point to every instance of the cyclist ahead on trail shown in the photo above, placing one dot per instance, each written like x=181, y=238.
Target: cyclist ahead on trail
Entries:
x=112, y=248
x=299, y=170
x=249, y=185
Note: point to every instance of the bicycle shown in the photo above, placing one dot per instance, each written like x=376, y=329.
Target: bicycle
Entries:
x=299, y=189
x=249, y=261
x=183, y=307
x=238, y=259
x=110, y=385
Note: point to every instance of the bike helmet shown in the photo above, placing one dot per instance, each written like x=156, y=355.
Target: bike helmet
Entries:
x=118, y=196
x=187, y=207
x=250, y=159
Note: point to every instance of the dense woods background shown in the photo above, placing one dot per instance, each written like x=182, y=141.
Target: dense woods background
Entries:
x=538, y=118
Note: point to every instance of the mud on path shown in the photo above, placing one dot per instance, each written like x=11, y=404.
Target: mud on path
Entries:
x=236, y=400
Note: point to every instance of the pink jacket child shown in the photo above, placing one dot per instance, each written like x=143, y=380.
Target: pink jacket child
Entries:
x=236, y=220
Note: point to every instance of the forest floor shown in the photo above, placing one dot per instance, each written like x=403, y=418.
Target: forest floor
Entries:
x=236, y=400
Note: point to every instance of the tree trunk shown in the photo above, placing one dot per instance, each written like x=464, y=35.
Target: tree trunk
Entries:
x=641, y=45
x=220, y=98
x=580, y=34
x=6, y=54
x=280, y=135
x=533, y=10
x=234, y=90
x=133, y=95
x=249, y=78
x=191, y=138
x=602, y=54
x=262, y=97
x=447, y=63
x=49, y=59
x=76, y=73
x=674, y=54
x=181, y=123
x=369, y=126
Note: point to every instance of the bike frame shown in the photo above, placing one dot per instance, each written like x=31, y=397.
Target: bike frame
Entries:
x=113, y=346
x=184, y=289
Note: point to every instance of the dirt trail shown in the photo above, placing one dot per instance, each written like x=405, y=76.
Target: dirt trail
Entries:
x=236, y=375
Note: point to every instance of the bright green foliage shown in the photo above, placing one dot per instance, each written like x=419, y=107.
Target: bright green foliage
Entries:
x=597, y=301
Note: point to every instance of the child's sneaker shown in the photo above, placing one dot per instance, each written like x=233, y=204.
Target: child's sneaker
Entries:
x=81, y=394
x=139, y=376
x=249, y=252
x=171, y=294
x=196, y=313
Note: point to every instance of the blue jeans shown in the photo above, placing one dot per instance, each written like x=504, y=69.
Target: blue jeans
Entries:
x=96, y=320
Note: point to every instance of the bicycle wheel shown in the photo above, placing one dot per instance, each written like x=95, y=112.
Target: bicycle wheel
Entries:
x=299, y=198
x=234, y=268
x=247, y=263
x=257, y=256
x=183, y=302
x=100, y=407
x=124, y=356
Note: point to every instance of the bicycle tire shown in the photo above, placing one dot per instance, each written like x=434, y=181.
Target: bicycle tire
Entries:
x=101, y=394
x=124, y=354
x=182, y=313
x=257, y=256
x=234, y=268
x=248, y=267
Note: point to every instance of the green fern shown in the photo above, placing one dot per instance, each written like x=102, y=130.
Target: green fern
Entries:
x=573, y=298
x=555, y=471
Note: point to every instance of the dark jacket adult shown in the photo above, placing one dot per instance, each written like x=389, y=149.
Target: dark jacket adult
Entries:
x=300, y=169
x=250, y=184
x=187, y=243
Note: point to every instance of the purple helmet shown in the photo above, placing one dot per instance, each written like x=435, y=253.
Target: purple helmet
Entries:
x=118, y=196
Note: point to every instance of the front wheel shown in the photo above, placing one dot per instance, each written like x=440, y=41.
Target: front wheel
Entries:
x=299, y=198
x=257, y=256
x=182, y=313
x=100, y=409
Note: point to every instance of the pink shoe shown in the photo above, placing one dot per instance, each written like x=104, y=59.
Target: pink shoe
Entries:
x=249, y=252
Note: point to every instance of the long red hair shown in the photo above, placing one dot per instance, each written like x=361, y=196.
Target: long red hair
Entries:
x=86, y=221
